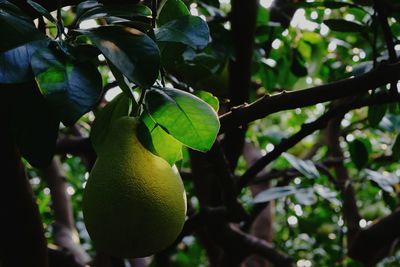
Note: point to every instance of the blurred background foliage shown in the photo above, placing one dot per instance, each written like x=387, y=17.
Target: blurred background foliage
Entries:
x=316, y=48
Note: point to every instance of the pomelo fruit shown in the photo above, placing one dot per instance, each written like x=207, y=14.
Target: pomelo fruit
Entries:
x=134, y=203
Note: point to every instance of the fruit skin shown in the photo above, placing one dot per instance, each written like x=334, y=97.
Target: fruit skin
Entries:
x=134, y=204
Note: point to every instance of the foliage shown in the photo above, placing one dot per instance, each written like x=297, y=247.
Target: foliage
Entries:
x=170, y=67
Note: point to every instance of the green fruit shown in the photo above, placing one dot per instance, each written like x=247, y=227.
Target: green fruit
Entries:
x=134, y=204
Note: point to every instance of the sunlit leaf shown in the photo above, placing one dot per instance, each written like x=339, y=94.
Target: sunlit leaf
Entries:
x=71, y=88
x=184, y=116
x=171, y=10
x=159, y=142
x=208, y=98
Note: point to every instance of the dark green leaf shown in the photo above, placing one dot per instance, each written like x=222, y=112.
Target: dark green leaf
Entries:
x=120, y=106
x=208, y=98
x=84, y=6
x=15, y=27
x=15, y=63
x=34, y=125
x=341, y=25
x=188, y=30
x=396, y=148
x=359, y=153
x=41, y=10
x=376, y=114
x=159, y=142
x=72, y=88
x=305, y=167
x=171, y=10
x=132, y=52
x=124, y=11
x=274, y=193
x=184, y=116
x=119, y=77
x=298, y=64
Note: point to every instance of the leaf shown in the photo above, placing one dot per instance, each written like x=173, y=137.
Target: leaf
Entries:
x=384, y=180
x=328, y=194
x=298, y=64
x=359, y=153
x=71, y=88
x=114, y=10
x=16, y=27
x=84, y=6
x=396, y=148
x=376, y=114
x=119, y=77
x=184, y=116
x=305, y=167
x=42, y=11
x=341, y=25
x=305, y=196
x=118, y=107
x=188, y=30
x=15, y=63
x=171, y=10
x=131, y=51
x=155, y=139
x=208, y=98
x=34, y=125
x=274, y=193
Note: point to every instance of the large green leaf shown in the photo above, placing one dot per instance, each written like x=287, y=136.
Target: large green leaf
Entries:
x=72, y=88
x=208, y=98
x=131, y=51
x=120, y=106
x=124, y=11
x=15, y=27
x=159, y=142
x=186, y=117
x=15, y=63
x=188, y=30
x=171, y=10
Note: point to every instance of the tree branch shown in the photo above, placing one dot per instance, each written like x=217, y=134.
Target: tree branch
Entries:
x=241, y=115
x=373, y=243
x=308, y=129
x=243, y=20
x=23, y=242
x=350, y=210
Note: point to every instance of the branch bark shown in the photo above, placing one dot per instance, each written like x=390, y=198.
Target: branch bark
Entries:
x=243, y=20
x=374, y=243
x=350, y=210
x=22, y=229
x=241, y=115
